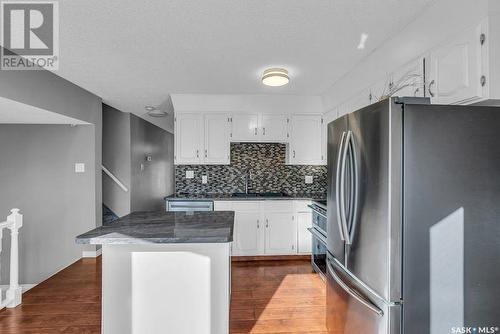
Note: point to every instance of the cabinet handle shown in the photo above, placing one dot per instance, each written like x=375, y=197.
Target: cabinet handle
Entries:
x=430, y=90
x=197, y=153
x=206, y=154
x=264, y=131
x=258, y=225
x=255, y=132
x=267, y=223
x=293, y=247
x=294, y=154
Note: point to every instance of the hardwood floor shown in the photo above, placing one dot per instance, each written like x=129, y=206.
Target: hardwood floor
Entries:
x=267, y=297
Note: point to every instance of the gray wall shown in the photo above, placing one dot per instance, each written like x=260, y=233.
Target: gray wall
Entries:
x=44, y=89
x=127, y=141
x=156, y=180
x=37, y=175
x=116, y=158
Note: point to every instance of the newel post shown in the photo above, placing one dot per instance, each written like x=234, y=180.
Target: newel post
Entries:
x=14, y=292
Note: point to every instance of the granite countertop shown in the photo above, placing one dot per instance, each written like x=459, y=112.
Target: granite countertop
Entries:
x=232, y=197
x=163, y=228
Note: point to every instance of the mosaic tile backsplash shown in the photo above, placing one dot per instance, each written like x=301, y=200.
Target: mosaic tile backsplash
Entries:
x=265, y=165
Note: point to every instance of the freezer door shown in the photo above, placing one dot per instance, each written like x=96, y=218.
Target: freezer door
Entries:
x=451, y=218
x=351, y=311
x=337, y=132
x=373, y=164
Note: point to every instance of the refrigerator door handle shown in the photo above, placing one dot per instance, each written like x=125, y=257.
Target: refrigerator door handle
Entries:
x=354, y=193
x=342, y=204
x=337, y=186
x=352, y=292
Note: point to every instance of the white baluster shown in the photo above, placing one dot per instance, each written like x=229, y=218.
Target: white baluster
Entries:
x=14, y=293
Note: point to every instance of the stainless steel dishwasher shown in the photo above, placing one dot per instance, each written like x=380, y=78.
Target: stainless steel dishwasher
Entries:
x=194, y=205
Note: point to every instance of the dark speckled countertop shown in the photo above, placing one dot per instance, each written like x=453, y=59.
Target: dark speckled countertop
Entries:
x=232, y=197
x=164, y=228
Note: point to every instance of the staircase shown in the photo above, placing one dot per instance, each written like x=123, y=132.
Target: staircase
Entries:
x=108, y=216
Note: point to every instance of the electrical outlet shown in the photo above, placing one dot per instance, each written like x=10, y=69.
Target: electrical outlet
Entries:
x=79, y=167
x=308, y=179
x=204, y=179
x=189, y=174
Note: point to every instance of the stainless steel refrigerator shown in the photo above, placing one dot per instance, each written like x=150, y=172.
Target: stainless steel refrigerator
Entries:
x=414, y=219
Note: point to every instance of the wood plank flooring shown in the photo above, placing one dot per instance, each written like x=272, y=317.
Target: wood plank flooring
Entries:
x=267, y=297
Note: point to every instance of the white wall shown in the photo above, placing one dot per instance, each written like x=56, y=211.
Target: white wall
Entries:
x=248, y=103
x=439, y=21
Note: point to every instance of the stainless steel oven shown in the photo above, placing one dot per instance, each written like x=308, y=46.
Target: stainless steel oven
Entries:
x=319, y=241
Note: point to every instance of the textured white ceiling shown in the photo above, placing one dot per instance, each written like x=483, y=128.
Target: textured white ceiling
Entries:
x=133, y=53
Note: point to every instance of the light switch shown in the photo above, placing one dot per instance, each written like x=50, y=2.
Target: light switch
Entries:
x=309, y=179
x=204, y=179
x=79, y=167
x=189, y=174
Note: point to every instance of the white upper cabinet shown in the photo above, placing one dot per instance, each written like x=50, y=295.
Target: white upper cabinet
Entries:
x=259, y=127
x=188, y=138
x=306, y=137
x=455, y=69
x=245, y=127
x=216, y=139
x=273, y=127
x=201, y=138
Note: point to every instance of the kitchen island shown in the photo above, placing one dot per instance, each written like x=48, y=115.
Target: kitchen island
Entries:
x=165, y=272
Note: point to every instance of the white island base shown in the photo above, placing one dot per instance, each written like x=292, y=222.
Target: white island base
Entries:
x=166, y=288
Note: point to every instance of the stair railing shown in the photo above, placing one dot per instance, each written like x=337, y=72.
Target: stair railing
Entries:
x=114, y=178
x=13, y=294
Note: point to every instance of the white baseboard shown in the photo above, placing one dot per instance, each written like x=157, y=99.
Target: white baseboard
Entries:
x=95, y=253
x=24, y=287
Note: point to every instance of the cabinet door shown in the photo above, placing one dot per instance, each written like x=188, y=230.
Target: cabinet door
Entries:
x=304, y=239
x=245, y=127
x=216, y=139
x=188, y=137
x=247, y=233
x=281, y=233
x=306, y=140
x=455, y=70
x=273, y=127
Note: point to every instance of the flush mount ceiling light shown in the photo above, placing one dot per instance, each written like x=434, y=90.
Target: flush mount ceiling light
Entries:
x=155, y=111
x=275, y=77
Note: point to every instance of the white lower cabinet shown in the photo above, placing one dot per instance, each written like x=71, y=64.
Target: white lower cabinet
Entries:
x=247, y=234
x=268, y=227
x=280, y=233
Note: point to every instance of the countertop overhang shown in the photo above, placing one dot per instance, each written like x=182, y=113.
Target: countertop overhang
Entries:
x=161, y=227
